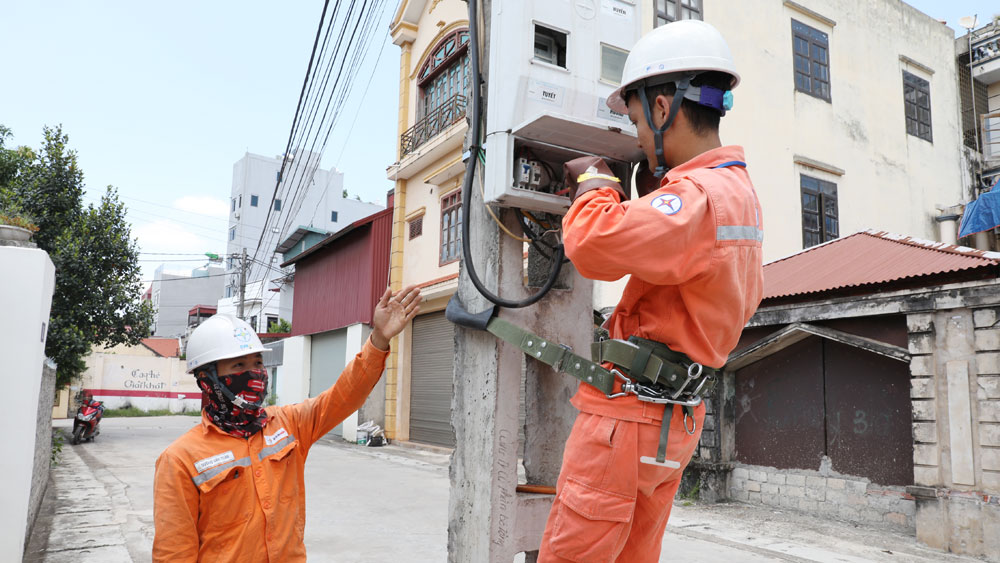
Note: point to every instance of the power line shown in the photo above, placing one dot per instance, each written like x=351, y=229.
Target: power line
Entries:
x=295, y=119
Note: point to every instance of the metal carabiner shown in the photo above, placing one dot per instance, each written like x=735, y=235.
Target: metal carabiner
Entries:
x=627, y=387
x=694, y=424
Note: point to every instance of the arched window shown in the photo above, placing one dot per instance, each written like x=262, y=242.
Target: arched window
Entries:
x=445, y=73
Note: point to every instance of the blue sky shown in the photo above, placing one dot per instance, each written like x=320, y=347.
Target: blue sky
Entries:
x=160, y=100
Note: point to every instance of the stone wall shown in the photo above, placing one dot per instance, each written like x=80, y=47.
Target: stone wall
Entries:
x=832, y=496
x=43, y=445
x=955, y=388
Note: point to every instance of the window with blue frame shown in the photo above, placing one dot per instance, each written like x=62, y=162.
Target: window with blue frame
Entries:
x=277, y=205
x=253, y=200
x=333, y=216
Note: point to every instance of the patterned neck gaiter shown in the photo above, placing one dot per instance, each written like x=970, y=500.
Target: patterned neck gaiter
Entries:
x=240, y=422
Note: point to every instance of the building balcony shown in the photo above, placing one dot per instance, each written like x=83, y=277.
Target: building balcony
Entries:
x=986, y=54
x=448, y=113
x=439, y=134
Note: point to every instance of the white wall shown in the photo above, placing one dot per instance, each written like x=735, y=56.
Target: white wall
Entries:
x=356, y=336
x=293, y=384
x=27, y=277
x=144, y=382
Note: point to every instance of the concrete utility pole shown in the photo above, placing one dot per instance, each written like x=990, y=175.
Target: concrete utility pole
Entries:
x=488, y=519
x=243, y=283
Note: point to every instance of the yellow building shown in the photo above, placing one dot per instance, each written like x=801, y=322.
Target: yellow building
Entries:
x=433, y=92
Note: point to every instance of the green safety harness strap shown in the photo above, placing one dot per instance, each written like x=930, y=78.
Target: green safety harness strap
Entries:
x=658, y=374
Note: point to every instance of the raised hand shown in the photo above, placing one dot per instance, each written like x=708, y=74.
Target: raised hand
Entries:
x=392, y=313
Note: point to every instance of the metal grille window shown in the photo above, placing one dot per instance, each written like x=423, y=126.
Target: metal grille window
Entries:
x=673, y=10
x=416, y=227
x=974, y=94
x=820, y=220
x=451, y=227
x=810, y=49
x=445, y=74
x=917, y=102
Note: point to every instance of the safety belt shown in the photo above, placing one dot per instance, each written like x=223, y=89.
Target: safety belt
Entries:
x=654, y=374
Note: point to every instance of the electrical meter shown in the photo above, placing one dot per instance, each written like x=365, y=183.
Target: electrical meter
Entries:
x=553, y=65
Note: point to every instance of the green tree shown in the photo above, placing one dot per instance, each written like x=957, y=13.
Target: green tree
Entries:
x=98, y=287
x=281, y=326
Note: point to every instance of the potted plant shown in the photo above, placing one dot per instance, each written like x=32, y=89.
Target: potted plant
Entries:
x=16, y=226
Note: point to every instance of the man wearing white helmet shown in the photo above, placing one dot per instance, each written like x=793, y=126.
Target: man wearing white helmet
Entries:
x=231, y=488
x=691, y=243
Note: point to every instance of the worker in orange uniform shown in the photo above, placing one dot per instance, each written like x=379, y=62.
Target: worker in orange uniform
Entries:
x=692, y=245
x=231, y=489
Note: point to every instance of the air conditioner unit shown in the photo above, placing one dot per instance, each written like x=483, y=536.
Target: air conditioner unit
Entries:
x=559, y=62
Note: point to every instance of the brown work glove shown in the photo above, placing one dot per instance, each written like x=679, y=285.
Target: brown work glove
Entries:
x=590, y=166
x=645, y=182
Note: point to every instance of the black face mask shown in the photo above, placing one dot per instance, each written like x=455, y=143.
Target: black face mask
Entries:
x=236, y=401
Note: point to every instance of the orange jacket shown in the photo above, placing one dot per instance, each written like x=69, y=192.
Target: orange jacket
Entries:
x=693, y=249
x=220, y=498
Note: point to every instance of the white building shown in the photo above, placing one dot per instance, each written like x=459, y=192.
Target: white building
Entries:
x=299, y=202
x=173, y=295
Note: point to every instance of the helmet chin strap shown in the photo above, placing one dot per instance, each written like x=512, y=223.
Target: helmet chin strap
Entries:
x=675, y=105
x=213, y=375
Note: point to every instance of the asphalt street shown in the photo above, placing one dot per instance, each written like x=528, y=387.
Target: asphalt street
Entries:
x=391, y=504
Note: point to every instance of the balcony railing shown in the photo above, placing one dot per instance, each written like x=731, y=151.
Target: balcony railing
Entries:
x=445, y=115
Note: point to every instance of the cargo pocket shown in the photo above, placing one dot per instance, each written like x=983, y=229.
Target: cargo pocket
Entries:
x=591, y=524
x=286, y=482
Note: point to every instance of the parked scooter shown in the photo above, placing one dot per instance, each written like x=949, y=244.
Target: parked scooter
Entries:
x=86, y=425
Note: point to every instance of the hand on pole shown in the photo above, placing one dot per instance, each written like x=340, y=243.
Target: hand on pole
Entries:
x=392, y=313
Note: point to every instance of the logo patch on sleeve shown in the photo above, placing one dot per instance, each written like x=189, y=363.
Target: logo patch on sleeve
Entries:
x=276, y=437
x=668, y=204
x=203, y=465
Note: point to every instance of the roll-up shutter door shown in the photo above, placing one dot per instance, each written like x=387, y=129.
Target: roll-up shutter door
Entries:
x=328, y=358
x=431, y=380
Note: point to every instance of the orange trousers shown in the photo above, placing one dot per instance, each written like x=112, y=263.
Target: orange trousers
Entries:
x=609, y=506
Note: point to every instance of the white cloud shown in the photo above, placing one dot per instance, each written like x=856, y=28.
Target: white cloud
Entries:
x=204, y=205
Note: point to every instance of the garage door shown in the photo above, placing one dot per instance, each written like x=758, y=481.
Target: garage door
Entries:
x=327, y=360
x=822, y=398
x=431, y=385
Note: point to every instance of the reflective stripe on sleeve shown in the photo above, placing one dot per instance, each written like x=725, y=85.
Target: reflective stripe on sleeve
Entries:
x=732, y=232
x=271, y=450
x=218, y=469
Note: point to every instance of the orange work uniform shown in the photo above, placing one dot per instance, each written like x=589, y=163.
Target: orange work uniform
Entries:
x=221, y=498
x=693, y=249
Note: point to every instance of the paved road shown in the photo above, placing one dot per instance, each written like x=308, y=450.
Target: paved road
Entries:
x=390, y=504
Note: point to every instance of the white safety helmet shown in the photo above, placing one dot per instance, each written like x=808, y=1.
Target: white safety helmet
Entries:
x=221, y=337
x=686, y=46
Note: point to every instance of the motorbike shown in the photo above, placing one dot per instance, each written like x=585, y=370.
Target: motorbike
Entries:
x=86, y=425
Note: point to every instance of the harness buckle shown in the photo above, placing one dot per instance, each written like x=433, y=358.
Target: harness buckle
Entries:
x=628, y=386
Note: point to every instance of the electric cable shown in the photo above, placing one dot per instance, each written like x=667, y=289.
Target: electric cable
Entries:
x=470, y=177
x=298, y=107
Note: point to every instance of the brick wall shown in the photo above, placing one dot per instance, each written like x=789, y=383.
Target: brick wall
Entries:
x=832, y=496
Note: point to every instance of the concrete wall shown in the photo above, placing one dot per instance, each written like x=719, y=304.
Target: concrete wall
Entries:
x=174, y=295
x=293, y=384
x=142, y=381
x=256, y=175
x=27, y=277
x=826, y=494
x=43, y=444
x=956, y=428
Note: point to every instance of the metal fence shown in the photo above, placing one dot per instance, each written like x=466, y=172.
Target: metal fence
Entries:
x=445, y=115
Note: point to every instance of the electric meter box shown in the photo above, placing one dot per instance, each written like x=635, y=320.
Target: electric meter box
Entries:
x=553, y=64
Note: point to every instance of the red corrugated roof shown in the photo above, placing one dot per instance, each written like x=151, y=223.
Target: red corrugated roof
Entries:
x=872, y=258
x=166, y=347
